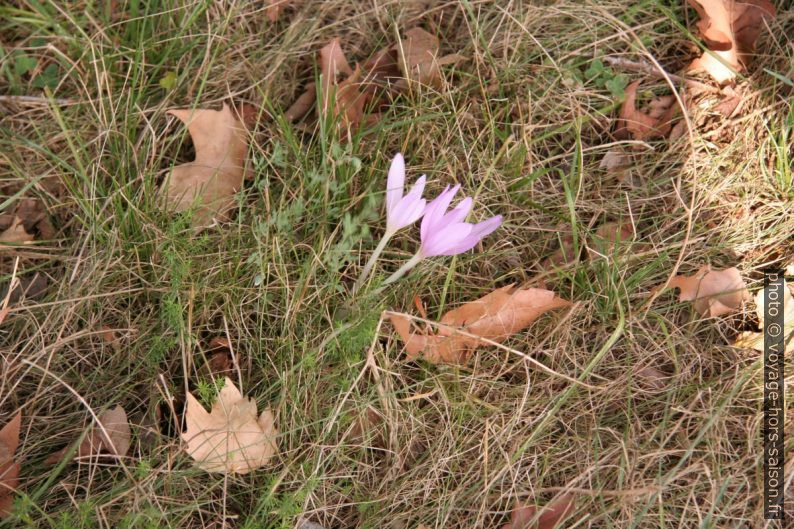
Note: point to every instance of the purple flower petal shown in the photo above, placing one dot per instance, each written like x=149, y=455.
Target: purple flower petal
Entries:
x=436, y=209
x=395, y=182
x=441, y=241
x=478, y=232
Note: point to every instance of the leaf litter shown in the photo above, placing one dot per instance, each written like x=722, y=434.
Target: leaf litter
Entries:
x=494, y=317
x=230, y=438
x=9, y=467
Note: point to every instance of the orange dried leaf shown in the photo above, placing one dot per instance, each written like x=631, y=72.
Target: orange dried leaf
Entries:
x=493, y=317
x=274, y=8
x=212, y=179
x=9, y=468
x=548, y=517
x=714, y=292
x=730, y=29
x=638, y=125
x=303, y=104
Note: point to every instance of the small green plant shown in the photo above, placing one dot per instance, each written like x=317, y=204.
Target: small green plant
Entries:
x=604, y=77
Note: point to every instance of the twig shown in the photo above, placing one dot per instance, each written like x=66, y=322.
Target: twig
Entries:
x=649, y=69
x=35, y=100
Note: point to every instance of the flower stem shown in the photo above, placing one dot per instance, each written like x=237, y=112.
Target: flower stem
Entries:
x=371, y=263
x=410, y=263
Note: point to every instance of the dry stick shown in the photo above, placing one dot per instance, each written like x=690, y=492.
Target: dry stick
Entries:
x=35, y=100
x=649, y=69
x=525, y=356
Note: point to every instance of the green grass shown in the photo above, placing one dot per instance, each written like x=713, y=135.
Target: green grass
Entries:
x=522, y=126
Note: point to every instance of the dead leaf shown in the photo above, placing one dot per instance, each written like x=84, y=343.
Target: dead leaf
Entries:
x=418, y=58
x=113, y=438
x=344, y=99
x=212, y=179
x=608, y=236
x=755, y=340
x=494, y=317
x=14, y=235
x=654, y=123
x=220, y=360
x=529, y=517
x=9, y=468
x=274, y=8
x=564, y=255
x=615, y=161
x=714, y=292
x=230, y=438
x=28, y=287
x=652, y=378
x=730, y=29
x=303, y=104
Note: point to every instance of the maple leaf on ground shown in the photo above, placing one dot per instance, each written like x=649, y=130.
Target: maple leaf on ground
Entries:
x=548, y=517
x=113, y=438
x=655, y=122
x=730, y=29
x=9, y=468
x=230, y=438
x=210, y=181
x=494, y=317
x=714, y=292
x=755, y=340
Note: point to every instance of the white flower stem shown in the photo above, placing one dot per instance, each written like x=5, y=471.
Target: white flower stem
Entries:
x=371, y=263
x=409, y=264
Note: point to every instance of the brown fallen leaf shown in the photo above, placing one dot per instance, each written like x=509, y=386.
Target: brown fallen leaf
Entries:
x=28, y=287
x=530, y=517
x=113, y=438
x=654, y=123
x=615, y=161
x=14, y=235
x=495, y=317
x=714, y=292
x=608, y=236
x=652, y=378
x=342, y=99
x=230, y=438
x=755, y=340
x=274, y=7
x=730, y=29
x=9, y=468
x=418, y=58
x=212, y=179
x=303, y=104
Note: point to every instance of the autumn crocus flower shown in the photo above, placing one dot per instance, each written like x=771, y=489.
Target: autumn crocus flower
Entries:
x=401, y=210
x=446, y=233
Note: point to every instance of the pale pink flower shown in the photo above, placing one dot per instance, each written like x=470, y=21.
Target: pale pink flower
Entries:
x=402, y=211
x=445, y=233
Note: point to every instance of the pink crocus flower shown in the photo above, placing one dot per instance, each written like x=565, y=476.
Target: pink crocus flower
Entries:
x=402, y=211
x=445, y=233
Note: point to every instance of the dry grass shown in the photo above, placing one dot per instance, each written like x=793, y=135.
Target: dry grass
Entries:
x=519, y=126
